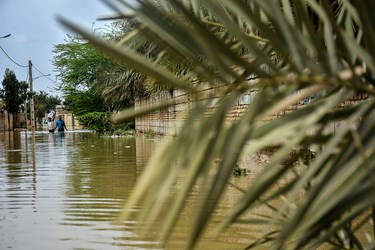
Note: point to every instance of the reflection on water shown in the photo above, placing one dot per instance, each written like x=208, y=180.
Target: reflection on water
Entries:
x=63, y=191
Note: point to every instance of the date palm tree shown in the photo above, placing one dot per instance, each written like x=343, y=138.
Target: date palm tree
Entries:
x=286, y=50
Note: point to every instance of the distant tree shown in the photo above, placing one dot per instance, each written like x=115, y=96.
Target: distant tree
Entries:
x=11, y=93
x=24, y=96
x=44, y=103
x=24, y=86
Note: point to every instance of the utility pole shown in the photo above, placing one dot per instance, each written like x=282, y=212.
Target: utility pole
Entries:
x=32, y=115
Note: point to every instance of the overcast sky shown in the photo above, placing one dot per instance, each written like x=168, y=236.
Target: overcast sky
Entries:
x=34, y=31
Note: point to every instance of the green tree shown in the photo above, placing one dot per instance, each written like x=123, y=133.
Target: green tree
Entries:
x=87, y=73
x=24, y=86
x=292, y=50
x=79, y=65
x=121, y=85
x=83, y=102
x=11, y=93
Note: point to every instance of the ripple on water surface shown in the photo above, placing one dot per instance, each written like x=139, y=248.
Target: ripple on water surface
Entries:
x=65, y=192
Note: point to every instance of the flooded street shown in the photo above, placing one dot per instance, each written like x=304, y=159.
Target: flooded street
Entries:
x=65, y=192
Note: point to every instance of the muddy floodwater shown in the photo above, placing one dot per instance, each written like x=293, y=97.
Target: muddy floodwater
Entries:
x=65, y=192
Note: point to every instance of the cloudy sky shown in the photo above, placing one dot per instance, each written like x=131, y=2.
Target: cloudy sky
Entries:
x=34, y=31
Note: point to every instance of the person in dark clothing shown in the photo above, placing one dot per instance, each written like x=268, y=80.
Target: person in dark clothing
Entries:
x=60, y=124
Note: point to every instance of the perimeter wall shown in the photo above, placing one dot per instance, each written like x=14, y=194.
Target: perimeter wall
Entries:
x=168, y=121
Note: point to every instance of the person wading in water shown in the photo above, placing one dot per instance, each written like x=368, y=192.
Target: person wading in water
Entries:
x=60, y=125
x=50, y=125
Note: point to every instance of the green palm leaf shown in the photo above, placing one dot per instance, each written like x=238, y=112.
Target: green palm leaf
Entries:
x=294, y=50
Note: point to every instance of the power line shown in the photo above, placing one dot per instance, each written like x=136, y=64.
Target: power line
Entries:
x=42, y=74
x=23, y=66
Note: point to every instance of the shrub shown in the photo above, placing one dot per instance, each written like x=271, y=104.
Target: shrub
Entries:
x=96, y=121
x=99, y=122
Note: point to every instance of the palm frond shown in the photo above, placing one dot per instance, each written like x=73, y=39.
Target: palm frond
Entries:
x=294, y=49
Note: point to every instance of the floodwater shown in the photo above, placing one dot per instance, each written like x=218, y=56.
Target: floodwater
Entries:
x=65, y=192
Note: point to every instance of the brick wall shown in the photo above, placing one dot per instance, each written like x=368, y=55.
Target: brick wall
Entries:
x=169, y=121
